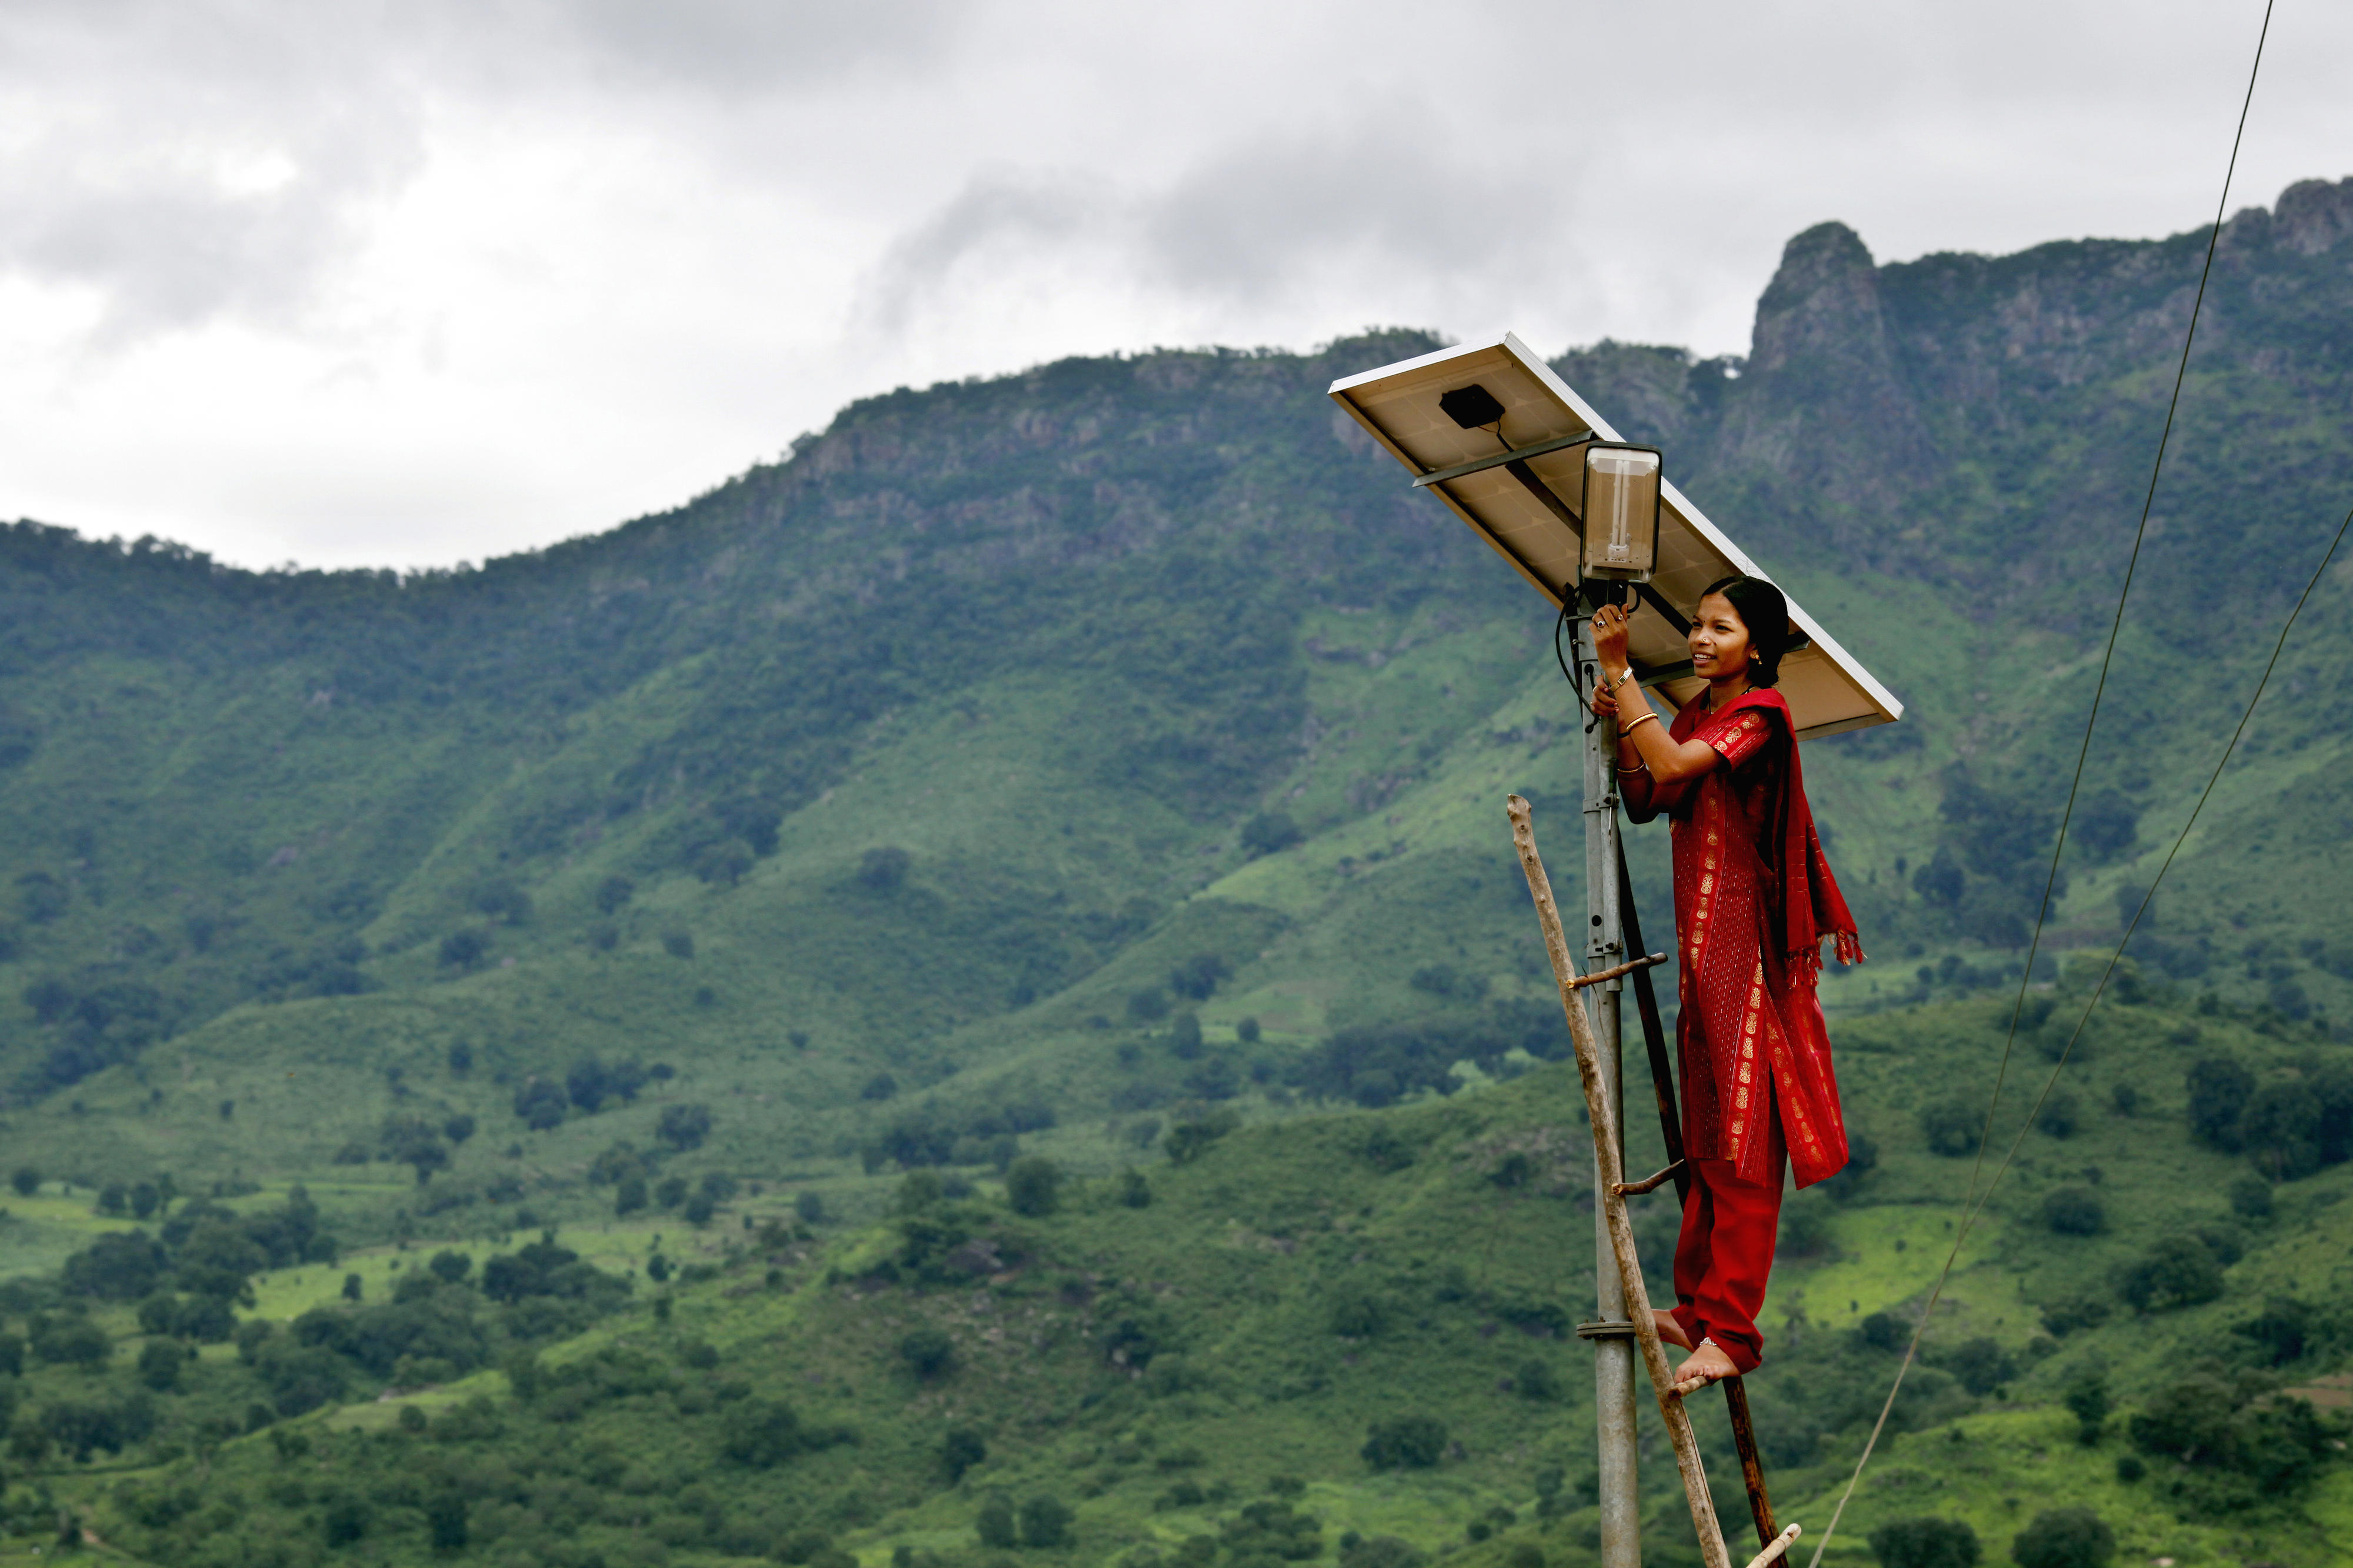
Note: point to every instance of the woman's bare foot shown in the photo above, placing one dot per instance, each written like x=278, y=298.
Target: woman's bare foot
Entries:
x=1708, y=1364
x=1669, y=1329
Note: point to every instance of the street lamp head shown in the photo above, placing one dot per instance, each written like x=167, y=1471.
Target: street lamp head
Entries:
x=1621, y=512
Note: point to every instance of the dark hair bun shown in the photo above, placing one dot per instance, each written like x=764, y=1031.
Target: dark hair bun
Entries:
x=1765, y=611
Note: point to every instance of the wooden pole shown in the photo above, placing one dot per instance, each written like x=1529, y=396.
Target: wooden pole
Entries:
x=1752, y=1467
x=1621, y=1232
x=1670, y=1135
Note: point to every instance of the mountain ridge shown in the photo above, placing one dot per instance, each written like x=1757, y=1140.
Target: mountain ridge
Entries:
x=1252, y=615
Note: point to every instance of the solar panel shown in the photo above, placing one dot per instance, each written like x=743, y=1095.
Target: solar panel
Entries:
x=1517, y=475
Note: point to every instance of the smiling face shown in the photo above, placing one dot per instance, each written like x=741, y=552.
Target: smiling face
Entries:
x=1719, y=640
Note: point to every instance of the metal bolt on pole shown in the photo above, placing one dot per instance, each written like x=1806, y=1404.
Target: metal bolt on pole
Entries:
x=1613, y=1353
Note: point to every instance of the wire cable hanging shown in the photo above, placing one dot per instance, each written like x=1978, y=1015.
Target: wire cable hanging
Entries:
x=1973, y=1202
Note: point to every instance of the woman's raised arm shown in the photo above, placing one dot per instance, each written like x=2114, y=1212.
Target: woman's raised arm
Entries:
x=1643, y=742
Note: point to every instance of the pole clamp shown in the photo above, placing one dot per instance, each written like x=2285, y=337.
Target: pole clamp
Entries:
x=1607, y=1329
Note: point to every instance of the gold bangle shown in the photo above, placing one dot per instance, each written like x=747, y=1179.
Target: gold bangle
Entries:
x=1635, y=724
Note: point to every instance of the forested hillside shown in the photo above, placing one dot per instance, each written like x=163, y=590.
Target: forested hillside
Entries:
x=1060, y=773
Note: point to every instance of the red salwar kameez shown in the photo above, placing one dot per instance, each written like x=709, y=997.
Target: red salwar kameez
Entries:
x=1753, y=898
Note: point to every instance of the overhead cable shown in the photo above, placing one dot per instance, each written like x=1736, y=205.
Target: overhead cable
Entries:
x=1973, y=1202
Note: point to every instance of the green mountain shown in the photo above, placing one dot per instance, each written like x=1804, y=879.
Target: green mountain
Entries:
x=1067, y=764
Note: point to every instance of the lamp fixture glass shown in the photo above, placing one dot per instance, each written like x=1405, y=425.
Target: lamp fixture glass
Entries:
x=1621, y=510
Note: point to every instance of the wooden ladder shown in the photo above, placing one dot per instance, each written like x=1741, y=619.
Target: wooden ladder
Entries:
x=1615, y=1190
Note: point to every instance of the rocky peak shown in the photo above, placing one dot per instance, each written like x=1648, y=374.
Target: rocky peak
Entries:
x=1824, y=299
x=1823, y=404
x=2313, y=216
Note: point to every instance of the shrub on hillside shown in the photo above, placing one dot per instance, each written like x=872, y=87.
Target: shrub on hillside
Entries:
x=1884, y=1332
x=2065, y=1538
x=761, y=1433
x=159, y=1362
x=1951, y=1127
x=1980, y=1366
x=961, y=1448
x=2074, y=1211
x=1272, y=1529
x=1378, y=1065
x=1407, y=1442
x=1928, y=1542
x=500, y=898
x=2288, y=1329
x=465, y=949
x=929, y=1353
x=725, y=860
x=590, y=1082
x=1806, y=1232
x=996, y=1526
x=120, y=1266
x=1033, y=1185
x=1215, y=1079
x=884, y=870
x=2060, y=1115
x=2176, y=1271
x=1539, y=1381
x=1044, y=1523
x=1188, y=1140
x=2235, y=1447
x=2281, y=1129
x=683, y=1126
x=540, y=1104
x=2219, y=1088
x=1358, y=1314
x=79, y=1428
x=1378, y=1551
x=2069, y=1313
x=1445, y=979
x=2086, y=1399
x=1199, y=976
x=1270, y=832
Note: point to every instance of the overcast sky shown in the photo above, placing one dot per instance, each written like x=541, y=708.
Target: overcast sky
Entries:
x=367, y=282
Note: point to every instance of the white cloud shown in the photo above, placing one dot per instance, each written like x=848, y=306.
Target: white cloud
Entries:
x=356, y=282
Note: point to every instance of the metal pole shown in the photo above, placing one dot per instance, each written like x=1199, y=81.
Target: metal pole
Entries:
x=1613, y=1353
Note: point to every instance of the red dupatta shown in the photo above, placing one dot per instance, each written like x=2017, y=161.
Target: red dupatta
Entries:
x=1754, y=898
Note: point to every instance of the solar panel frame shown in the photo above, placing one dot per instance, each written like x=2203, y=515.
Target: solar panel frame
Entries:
x=1829, y=690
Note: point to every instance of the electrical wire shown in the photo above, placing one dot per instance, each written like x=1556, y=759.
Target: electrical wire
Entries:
x=1973, y=1202
x=1567, y=669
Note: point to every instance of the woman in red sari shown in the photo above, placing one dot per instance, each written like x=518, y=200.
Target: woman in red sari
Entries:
x=1753, y=898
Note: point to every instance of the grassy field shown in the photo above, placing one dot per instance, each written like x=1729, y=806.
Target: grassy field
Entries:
x=1279, y=1295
